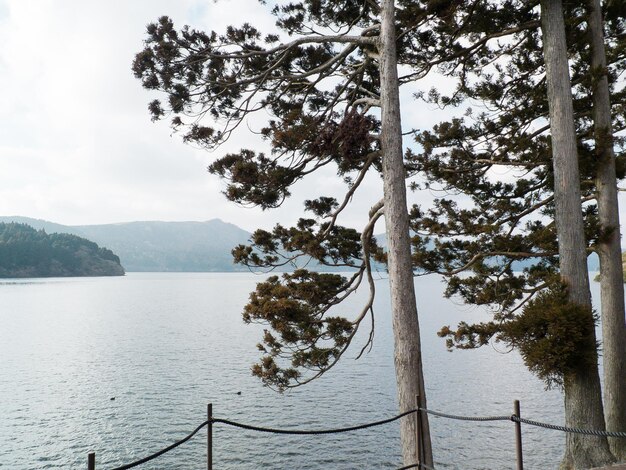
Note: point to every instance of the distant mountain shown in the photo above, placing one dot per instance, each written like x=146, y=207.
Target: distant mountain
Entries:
x=172, y=246
x=179, y=246
x=27, y=252
x=160, y=246
x=38, y=224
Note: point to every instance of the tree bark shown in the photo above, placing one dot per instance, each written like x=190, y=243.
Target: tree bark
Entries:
x=583, y=401
x=608, y=246
x=407, y=349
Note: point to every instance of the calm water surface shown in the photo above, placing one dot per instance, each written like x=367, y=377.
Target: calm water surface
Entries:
x=165, y=345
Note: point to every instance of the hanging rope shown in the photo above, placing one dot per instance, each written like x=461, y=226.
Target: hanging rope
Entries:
x=514, y=418
x=467, y=418
x=556, y=427
x=163, y=451
x=314, y=431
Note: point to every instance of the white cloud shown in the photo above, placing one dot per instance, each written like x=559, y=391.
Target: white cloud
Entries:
x=77, y=145
x=76, y=142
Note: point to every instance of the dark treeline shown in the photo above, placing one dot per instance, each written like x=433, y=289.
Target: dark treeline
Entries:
x=26, y=252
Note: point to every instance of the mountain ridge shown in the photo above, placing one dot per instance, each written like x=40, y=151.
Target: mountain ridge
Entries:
x=191, y=246
x=188, y=246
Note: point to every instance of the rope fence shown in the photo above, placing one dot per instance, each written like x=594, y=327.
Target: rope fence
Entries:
x=418, y=411
x=467, y=418
x=312, y=432
x=163, y=451
x=556, y=427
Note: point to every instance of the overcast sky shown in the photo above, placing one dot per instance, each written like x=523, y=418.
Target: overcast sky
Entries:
x=76, y=143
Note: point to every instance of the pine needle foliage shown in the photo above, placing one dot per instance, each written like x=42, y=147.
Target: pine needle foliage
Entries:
x=490, y=231
x=317, y=77
x=554, y=336
x=296, y=307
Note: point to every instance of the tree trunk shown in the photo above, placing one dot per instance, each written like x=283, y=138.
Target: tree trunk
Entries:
x=583, y=401
x=608, y=247
x=408, y=360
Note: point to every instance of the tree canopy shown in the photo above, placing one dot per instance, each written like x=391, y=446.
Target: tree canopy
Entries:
x=499, y=159
x=526, y=174
x=320, y=91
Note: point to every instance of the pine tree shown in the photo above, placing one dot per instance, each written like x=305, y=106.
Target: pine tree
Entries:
x=608, y=245
x=581, y=385
x=321, y=90
x=494, y=49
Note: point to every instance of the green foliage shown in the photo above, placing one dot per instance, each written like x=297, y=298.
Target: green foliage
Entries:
x=554, y=336
x=496, y=153
x=304, y=335
x=468, y=336
x=26, y=252
x=255, y=179
x=329, y=245
x=318, y=92
x=500, y=158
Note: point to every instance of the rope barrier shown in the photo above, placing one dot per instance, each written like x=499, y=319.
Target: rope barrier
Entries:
x=467, y=418
x=311, y=432
x=517, y=419
x=261, y=429
x=514, y=418
x=588, y=432
x=163, y=451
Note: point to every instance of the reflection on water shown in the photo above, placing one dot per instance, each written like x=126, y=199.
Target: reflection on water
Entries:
x=165, y=345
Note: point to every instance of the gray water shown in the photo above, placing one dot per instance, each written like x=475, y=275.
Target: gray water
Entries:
x=166, y=345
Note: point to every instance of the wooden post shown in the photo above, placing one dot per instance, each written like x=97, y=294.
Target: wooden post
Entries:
x=518, y=436
x=210, y=437
x=91, y=461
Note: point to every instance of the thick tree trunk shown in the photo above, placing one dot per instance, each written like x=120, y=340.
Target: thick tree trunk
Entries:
x=583, y=401
x=408, y=360
x=609, y=248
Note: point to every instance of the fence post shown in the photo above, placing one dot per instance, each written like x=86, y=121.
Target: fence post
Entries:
x=518, y=436
x=210, y=437
x=91, y=461
x=418, y=432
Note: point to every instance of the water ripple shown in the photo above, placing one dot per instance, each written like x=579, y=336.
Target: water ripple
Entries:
x=165, y=345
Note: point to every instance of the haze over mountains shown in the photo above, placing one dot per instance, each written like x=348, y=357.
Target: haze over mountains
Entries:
x=159, y=246
x=176, y=246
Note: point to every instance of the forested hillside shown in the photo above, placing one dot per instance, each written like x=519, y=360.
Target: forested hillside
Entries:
x=160, y=246
x=26, y=252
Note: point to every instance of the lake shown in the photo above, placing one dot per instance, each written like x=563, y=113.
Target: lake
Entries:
x=164, y=345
